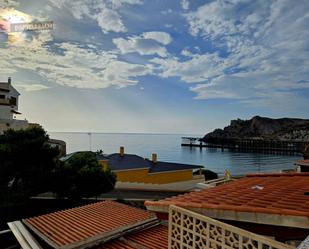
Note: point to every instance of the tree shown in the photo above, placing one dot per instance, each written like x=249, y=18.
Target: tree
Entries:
x=26, y=163
x=82, y=176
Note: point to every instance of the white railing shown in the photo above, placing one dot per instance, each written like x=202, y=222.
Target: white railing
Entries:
x=189, y=230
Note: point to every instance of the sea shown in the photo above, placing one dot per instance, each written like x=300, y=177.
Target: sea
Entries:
x=168, y=148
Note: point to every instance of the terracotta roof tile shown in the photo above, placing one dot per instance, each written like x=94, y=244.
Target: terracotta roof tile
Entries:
x=152, y=238
x=87, y=224
x=282, y=194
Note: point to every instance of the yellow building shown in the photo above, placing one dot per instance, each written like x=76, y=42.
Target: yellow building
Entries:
x=133, y=168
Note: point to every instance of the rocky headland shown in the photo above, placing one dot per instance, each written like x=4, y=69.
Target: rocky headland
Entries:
x=262, y=128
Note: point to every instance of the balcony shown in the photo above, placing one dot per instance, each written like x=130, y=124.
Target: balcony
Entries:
x=191, y=230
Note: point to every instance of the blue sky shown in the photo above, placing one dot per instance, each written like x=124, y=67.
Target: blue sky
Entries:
x=159, y=66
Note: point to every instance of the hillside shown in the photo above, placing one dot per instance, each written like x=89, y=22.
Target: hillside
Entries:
x=262, y=128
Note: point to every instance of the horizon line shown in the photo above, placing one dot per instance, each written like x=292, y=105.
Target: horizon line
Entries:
x=133, y=133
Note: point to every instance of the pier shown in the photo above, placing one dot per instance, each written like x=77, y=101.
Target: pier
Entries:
x=248, y=144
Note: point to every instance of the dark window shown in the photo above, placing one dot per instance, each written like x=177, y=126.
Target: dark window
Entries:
x=2, y=96
x=13, y=101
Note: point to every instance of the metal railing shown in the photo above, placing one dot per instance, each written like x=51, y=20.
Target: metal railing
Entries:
x=190, y=230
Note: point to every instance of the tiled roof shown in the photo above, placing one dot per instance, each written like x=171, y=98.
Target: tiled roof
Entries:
x=167, y=166
x=302, y=162
x=152, y=238
x=282, y=194
x=88, y=225
x=130, y=161
x=127, y=161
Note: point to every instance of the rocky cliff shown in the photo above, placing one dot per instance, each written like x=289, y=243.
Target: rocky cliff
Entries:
x=262, y=128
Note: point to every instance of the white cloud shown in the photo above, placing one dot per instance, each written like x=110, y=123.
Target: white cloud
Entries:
x=161, y=37
x=186, y=52
x=58, y=3
x=8, y=3
x=199, y=68
x=106, y=13
x=120, y=3
x=110, y=20
x=262, y=49
x=184, y=4
x=32, y=87
x=75, y=66
x=146, y=44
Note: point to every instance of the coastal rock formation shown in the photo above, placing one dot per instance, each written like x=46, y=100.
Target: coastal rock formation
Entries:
x=282, y=129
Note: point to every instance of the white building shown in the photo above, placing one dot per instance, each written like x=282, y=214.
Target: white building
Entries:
x=9, y=108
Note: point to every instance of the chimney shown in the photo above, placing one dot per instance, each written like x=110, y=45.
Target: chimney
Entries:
x=121, y=151
x=154, y=158
x=9, y=80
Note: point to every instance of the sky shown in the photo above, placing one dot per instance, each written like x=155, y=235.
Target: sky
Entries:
x=159, y=66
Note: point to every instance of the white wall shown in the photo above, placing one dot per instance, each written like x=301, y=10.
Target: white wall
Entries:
x=5, y=112
x=14, y=124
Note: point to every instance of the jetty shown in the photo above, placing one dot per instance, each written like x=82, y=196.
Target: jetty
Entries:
x=286, y=146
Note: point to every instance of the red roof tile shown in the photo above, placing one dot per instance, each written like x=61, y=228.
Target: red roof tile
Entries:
x=152, y=238
x=88, y=224
x=283, y=194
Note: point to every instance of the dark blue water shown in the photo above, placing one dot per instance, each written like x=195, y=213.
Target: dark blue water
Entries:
x=168, y=148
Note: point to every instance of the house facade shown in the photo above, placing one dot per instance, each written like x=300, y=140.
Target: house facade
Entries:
x=132, y=168
x=9, y=108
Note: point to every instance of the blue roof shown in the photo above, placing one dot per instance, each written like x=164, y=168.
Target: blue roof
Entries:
x=167, y=166
x=129, y=161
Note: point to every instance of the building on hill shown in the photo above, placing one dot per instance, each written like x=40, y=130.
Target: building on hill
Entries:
x=9, y=108
x=134, y=168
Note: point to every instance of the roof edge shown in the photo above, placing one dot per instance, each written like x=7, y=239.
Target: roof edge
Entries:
x=278, y=174
x=242, y=216
x=101, y=238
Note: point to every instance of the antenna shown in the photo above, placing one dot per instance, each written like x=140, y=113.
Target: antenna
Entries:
x=90, y=142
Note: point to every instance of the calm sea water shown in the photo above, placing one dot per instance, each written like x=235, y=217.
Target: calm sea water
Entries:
x=168, y=148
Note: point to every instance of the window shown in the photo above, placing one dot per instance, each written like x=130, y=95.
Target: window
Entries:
x=13, y=101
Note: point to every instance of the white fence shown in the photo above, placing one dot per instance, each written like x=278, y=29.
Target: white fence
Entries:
x=189, y=230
